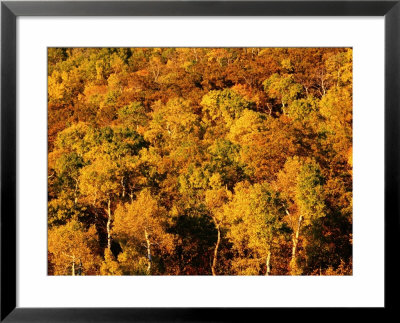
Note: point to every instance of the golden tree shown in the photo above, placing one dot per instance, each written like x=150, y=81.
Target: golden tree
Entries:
x=141, y=223
x=71, y=249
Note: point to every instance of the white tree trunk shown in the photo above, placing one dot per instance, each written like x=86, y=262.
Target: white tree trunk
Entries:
x=295, y=238
x=73, y=265
x=109, y=224
x=268, y=263
x=123, y=186
x=148, y=245
x=214, y=263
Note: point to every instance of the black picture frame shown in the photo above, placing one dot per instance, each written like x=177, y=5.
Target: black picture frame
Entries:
x=10, y=10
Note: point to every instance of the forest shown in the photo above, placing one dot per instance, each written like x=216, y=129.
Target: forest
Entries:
x=200, y=161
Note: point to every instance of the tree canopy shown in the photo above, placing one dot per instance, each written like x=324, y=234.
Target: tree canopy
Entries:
x=200, y=161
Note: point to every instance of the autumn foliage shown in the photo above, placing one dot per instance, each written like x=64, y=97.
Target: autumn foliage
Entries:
x=200, y=161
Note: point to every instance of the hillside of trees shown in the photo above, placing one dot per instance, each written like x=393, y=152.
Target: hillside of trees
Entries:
x=199, y=161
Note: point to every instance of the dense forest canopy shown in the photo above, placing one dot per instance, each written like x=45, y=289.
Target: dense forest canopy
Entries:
x=200, y=161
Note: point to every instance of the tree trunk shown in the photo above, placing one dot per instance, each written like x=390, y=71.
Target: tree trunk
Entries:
x=295, y=239
x=73, y=265
x=268, y=263
x=323, y=87
x=214, y=263
x=123, y=186
x=146, y=235
x=109, y=224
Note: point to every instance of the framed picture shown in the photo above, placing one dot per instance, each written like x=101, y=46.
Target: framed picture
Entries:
x=197, y=160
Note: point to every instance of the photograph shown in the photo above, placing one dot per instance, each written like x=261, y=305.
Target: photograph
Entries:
x=230, y=161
